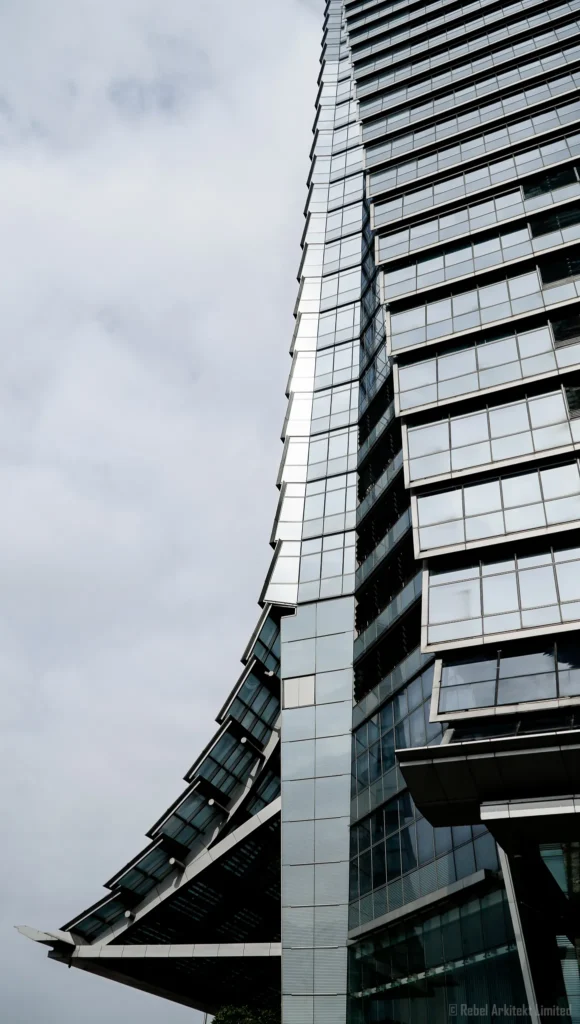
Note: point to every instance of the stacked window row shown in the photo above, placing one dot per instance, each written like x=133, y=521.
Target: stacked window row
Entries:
x=481, y=178
x=494, y=435
x=489, y=364
x=553, y=283
x=539, y=194
x=355, y=12
x=518, y=593
x=560, y=228
x=549, y=671
x=479, y=145
x=461, y=72
x=463, y=94
x=484, y=41
x=495, y=509
x=491, y=111
x=362, y=48
x=386, y=21
x=436, y=40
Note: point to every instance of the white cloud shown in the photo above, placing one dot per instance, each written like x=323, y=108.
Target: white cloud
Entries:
x=152, y=166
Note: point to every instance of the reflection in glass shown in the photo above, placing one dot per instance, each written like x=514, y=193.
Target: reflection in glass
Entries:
x=462, y=698
x=568, y=581
x=500, y=594
x=465, y=437
x=455, y=601
x=537, y=587
x=519, y=689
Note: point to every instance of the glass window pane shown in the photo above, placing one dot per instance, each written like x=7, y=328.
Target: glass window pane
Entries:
x=469, y=429
x=428, y=440
x=479, y=527
x=441, y=536
x=521, y=490
x=568, y=574
x=440, y=508
x=483, y=498
x=560, y=481
x=455, y=601
x=462, y=698
x=470, y=672
x=546, y=410
x=500, y=594
x=471, y=455
x=537, y=587
x=512, y=446
x=457, y=364
x=568, y=667
x=529, y=517
x=418, y=375
x=524, y=688
x=493, y=294
x=527, y=664
x=429, y=465
x=510, y=419
x=563, y=510
x=496, y=352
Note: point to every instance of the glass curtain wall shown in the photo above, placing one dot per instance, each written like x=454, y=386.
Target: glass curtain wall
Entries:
x=468, y=494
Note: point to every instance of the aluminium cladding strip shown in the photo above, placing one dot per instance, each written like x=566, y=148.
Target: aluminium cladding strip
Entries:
x=65, y=948
x=205, y=950
x=317, y=642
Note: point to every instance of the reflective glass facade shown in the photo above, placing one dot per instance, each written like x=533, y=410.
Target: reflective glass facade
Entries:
x=467, y=603
x=385, y=826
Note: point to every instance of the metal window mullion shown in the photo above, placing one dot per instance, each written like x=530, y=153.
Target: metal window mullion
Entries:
x=518, y=588
x=556, y=584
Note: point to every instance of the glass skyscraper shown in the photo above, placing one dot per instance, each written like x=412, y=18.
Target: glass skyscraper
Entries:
x=385, y=826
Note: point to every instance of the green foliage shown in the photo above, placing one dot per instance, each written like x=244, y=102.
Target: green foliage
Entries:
x=245, y=1015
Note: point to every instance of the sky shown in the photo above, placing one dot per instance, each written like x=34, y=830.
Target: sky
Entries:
x=153, y=164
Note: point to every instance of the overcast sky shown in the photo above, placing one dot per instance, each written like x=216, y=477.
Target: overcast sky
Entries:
x=153, y=158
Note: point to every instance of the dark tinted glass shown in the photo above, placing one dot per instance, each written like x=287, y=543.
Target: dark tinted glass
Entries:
x=475, y=671
x=548, y=182
x=573, y=399
x=560, y=267
x=566, y=331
